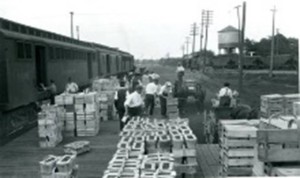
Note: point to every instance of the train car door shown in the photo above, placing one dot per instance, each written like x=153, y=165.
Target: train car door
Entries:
x=108, y=61
x=99, y=64
x=89, y=65
x=40, y=65
x=3, y=73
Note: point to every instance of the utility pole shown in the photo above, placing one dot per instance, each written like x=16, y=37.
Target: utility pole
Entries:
x=272, y=42
x=207, y=20
x=194, y=33
x=183, y=50
x=201, y=33
x=77, y=29
x=187, y=42
x=72, y=34
x=277, y=42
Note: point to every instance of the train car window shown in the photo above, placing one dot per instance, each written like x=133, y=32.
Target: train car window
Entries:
x=37, y=33
x=51, y=53
x=56, y=53
x=28, y=51
x=15, y=27
x=5, y=25
x=31, y=31
x=23, y=29
x=20, y=50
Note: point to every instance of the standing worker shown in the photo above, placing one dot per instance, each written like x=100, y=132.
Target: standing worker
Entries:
x=151, y=92
x=120, y=97
x=134, y=102
x=52, y=90
x=135, y=81
x=225, y=95
x=71, y=86
x=180, y=92
x=163, y=95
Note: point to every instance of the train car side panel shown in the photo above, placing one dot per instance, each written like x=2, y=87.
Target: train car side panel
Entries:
x=3, y=73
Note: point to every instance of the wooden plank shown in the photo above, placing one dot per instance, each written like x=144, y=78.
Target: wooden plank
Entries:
x=240, y=153
x=240, y=131
x=278, y=136
x=237, y=161
x=228, y=143
x=285, y=171
x=279, y=155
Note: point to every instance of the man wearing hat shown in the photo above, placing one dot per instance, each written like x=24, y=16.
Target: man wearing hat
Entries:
x=134, y=102
x=164, y=92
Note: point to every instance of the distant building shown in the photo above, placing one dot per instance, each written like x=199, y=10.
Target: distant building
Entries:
x=228, y=40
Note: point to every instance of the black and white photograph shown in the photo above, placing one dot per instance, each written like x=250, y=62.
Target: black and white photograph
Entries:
x=149, y=88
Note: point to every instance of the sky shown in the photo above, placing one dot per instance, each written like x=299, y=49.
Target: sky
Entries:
x=151, y=28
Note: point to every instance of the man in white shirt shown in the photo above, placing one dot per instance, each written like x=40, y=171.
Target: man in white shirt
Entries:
x=71, y=86
x=151, y=92
x=225, y=95
x=134, y=102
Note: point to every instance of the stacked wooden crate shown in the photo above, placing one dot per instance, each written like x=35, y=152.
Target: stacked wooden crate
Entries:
x=147, y=148
x=237, y=142
x=49, y=126
x=77, y=147
x=278, y=146
x=58, y=167
x=87, y=114
x=296, y=109
x=66, y=102
x=289, y=99
x=172, y=108
x=271, y=104
x=106, y=89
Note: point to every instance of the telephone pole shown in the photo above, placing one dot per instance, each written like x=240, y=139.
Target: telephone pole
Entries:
x=72, y=34
x=202, y=25
x=77, y=30
x=207, y=17
x=272, y=42
x=187, y=42
x=183, y=50
x=194, y=33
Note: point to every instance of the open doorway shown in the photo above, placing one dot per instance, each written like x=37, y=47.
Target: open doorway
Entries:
x=40, y=65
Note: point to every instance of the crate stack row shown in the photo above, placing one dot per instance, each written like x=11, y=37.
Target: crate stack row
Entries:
x=49, y=126
x=105, y=89
x=237, y=147
x=172, y=107
x=59, y=167
x=296, y=109
x=271, y=104
x=87, y=114
x=289, y=99
x=144, y=140
x=66, y=102
x=276, y=103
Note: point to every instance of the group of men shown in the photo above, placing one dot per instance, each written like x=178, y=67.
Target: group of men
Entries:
x=140, y=95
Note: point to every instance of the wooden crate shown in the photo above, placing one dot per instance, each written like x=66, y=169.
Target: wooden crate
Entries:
x=271, y=104
x=289, y=99
x=237, y=140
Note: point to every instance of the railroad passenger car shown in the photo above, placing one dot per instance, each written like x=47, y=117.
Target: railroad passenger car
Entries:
x=30, y=57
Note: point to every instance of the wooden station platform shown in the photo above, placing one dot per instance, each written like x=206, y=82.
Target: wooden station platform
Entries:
x=20, y=158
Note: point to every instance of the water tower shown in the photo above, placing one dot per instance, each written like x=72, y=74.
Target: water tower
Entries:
x=228, y=40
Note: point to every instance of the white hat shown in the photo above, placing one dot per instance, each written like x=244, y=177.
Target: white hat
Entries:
x=168, y=84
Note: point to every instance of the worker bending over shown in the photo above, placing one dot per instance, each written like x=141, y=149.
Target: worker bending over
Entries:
x=164, y=93
x=120, y=97
x=52, y=89
x=134, y=102
x=71, y=86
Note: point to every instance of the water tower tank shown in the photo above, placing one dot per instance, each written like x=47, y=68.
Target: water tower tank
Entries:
x=228, y=38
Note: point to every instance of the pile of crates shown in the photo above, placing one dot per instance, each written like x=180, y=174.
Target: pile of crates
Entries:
x=106, y=89
x=66, y=102
x=237, y=147
x=296, y=109
x=289, y=99
x=152, y=147
x=49, y=126
x=59, y=167
x=271, y=104
x=172, y=107
x=87, y=114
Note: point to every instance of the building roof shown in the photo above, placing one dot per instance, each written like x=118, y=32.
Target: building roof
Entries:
x=229, y=28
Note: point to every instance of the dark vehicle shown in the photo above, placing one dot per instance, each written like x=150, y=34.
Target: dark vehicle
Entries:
x=30, y=57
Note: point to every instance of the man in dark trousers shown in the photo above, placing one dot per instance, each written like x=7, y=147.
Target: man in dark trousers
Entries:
x=180, y=92
x=52, y=89
x=151, y=92
x=120, y=97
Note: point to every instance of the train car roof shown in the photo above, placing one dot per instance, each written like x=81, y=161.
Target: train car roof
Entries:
x=17, y=30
